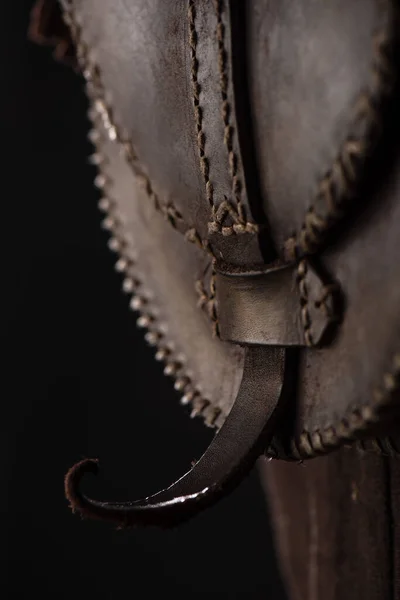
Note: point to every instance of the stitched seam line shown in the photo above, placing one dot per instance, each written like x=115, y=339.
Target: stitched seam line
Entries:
x=226, y=108
x=200, y=406
x=304, y=311
x=236, y=211
x=198, y=112
x=208, y=299
x=139, y=302
x=96, y=92
x=338, y=186
x=354, y=423
x=239, y=226
x=213, y=308
x=321, y=304
x=384, y=446
x=225, y=209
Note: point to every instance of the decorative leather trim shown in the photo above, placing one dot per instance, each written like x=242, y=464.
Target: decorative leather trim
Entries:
x=174, y=367
x=386, y=446
x=208, y=298
x=240, y=225
x=101, y=116
x=339, y=185
x=311, y=306
x=97, y=92
x=235, y=210
x=226, y=109
x=198, y=112
x=352, y=426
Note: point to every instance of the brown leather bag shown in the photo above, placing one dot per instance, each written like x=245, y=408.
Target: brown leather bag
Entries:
x=247, y=157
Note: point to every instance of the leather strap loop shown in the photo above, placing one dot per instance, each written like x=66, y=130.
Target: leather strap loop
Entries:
x=285, y=305
x=246, y=432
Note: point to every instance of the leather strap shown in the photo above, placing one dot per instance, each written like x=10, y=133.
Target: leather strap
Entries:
x=246, y=432
x=279, y=306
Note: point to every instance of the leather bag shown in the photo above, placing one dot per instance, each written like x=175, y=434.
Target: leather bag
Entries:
x=248, y=167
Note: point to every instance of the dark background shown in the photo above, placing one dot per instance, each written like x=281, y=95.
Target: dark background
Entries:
x=78, y=379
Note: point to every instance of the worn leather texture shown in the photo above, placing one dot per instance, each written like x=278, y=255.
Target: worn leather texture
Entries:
x=193, y=92
x=167, y=267
x=337, y=525
x=265, y=308
x=310, y=60
x=154, y=101
x=222, y=466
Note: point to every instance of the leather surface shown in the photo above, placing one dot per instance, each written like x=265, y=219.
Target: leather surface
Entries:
x=168, y=267
x=221, y=467
x=354, y=366
x=336, y=521
x=144, y=55
x=266, y=308
x=306, y=64
x=309, y=61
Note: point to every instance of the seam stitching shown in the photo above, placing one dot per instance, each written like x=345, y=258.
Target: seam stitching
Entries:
x=198, y=112
x=96, y=92
x=226, y=208
x=131, y=285
x=321, y=304
x=338, y=186
x=304, y=311
x=226, y=109
x=321, y=441
x=208, y=299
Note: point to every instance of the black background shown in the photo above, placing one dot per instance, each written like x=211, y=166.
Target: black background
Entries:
x=78, y=379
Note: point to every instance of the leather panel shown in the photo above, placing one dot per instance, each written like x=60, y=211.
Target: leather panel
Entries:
x=308, y=62
x=168, y=266
x=334, y=526
x=144, y=53
x=348, y=373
